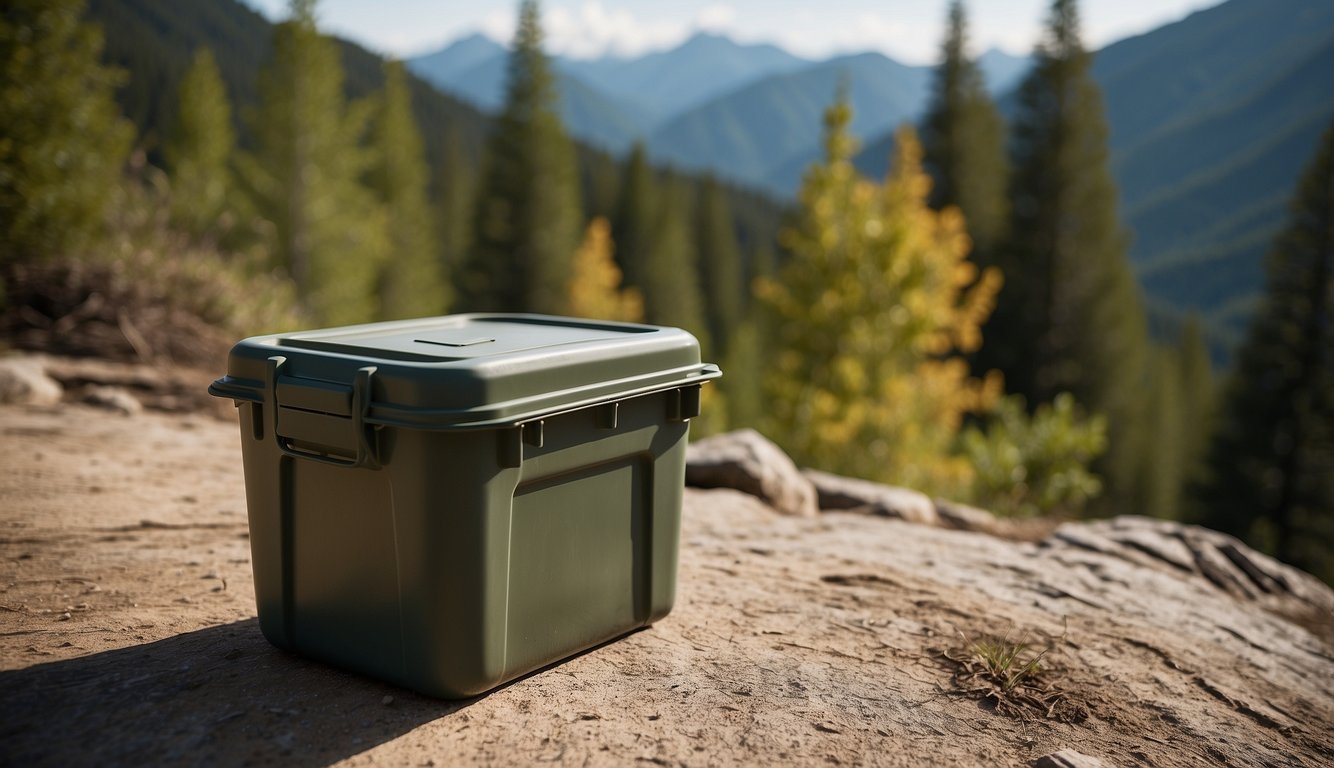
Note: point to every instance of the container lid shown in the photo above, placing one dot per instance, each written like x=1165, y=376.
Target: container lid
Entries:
x=458, y=371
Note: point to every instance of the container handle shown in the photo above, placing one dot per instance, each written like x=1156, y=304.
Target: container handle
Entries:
x=366, y=455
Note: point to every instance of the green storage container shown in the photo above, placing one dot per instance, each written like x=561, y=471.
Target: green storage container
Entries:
x=450, y=503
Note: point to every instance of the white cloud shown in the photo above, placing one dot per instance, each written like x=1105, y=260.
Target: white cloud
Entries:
x=592, y=30
x=498, y=25
x=716, y=18
x=900, y=37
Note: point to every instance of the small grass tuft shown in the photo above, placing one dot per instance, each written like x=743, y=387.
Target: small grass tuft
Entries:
x=1012, y=674
x=1009, y=663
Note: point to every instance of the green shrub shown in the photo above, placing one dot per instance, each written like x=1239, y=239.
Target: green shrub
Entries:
x=1027, y=466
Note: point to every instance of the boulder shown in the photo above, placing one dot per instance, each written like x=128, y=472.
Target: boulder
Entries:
x=1208, y=557
x=1067, y=758
x=962, y=517
x=23, y=381
x=851, y=494
x=747, y=461
x=115, y=399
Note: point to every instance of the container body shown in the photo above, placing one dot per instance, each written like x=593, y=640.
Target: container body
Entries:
x=461, y=558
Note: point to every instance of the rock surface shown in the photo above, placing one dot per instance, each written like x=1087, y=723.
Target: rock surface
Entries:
x=23, y=380
x=115, y=399
x=747, y=461
x=850, y=494
x=1067, y=758
x=127, y=636
x=962, y=517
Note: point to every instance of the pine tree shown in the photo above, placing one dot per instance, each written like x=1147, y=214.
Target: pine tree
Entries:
x=762, y=263
x=594, y=289
x=741, y=396
x=1070, y=316
x=454, y=204
x=599, y=178
x=307, y=170
x=1198, y=400
x=411, y=283
x=963, y=142
x=63, y=142
x=200, y=148
x=636, y=212
x=1271, y=460
x=671, y=287
x=870, y=315
x=527, y=216
x=719, y=263
x=1162, y=454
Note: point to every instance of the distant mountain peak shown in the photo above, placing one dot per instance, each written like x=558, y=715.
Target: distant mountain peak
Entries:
x=473, y=42
x=456, y=57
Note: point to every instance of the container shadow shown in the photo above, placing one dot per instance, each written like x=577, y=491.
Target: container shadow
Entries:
x=217, y=696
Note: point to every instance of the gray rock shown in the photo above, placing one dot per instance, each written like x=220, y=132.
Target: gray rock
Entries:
x=23, y=380
x=749, y=462
x=1067, y=758
x=113, y=399
x=1205, y=556
x=852, y=494
x=962, y=517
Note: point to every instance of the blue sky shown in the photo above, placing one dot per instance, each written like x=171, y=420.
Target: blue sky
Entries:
x=907, y=30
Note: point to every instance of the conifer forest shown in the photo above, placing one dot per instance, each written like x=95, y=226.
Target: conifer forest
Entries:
x=969, y=323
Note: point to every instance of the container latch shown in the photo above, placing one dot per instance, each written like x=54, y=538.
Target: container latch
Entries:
x=320, y=421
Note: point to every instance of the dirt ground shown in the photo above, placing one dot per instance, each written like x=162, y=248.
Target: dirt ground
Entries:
x=128, y=636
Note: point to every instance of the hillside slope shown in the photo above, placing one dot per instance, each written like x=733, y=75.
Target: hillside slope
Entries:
x=757, y=129
x=667, y=83
x=1210, y=121
x=154, y=41
x=589, y=114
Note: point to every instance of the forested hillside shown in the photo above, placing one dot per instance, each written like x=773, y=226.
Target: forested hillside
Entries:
x=967, y=323
x=154, y=40
x=1210, y=120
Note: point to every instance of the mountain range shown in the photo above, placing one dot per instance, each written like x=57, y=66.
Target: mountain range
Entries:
x=1210, y=120
x=696, y=105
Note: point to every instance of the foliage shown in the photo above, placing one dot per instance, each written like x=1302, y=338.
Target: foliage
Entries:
x=1009, y=663
x=671, y=287
x=1199, y=398
x=868, y=316
x=633, y=222
x=963, y=142
x=233, y=290
x=305, y=175
x=1162, y=453
x=150, y=291
x=410, y=284
x=527, y=216
x=454, y=190
x=199, y=150
x=63, y=143
x=1178, y=412
x=1270, y=464
x=719, y=258
x=594, y=289
x=1070, y=318
x=1029, y=465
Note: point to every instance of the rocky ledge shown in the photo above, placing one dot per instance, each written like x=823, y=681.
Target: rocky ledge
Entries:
x=858, y=634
